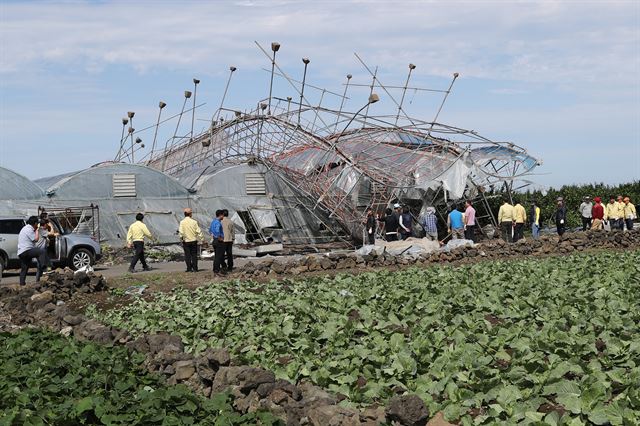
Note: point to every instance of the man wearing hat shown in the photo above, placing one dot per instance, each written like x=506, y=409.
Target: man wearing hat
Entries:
x=597, y=214
x=561, y=216
x=190, y=235
x=585, y=212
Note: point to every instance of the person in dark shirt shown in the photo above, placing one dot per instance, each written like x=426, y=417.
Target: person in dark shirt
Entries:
x=391, y=224
x=561, y=216
x=370, y=226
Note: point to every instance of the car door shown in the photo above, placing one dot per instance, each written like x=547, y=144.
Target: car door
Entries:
x=9, y=230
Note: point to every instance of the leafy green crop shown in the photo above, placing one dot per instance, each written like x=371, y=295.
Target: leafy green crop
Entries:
x=49, y=379
x=550, y=341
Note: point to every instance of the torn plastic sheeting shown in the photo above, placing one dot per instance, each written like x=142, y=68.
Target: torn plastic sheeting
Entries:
x=454, y=244
x=240, y=231
x=348, y=179
x=264, y=218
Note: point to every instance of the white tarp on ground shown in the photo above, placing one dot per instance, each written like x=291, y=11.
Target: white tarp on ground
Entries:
x=410, y=246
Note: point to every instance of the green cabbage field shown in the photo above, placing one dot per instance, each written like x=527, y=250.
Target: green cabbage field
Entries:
x=50, y=379
x=546, y=341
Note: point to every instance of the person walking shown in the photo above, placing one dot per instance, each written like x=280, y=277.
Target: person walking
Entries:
x=535, y=220
x=229, y=235
x=611, y=213
x=370, y=226
x=405, y=221
x=455, y=224
x=629, y=213
x=561, y=216
x=505, y=220
x=27, y=239
x=597, y=214
x=520, y=218
x=469, y=221
x=391, y=225
x=136, y=234
x=190, y=235
x=430, y=224
x=585, y=210
x=218, y=242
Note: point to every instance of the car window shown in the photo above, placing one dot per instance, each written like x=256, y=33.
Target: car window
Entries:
x=11, y=226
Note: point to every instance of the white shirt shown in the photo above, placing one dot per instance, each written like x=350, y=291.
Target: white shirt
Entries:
x=26, y=239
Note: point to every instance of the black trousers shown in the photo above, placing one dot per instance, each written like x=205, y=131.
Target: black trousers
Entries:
x=586, y=223
x=218, y=257
x=518, y=232
x=25, y=261
x=228, y=255
x=561, y=228
x=470, y=233
x=507, y=228
x=191, y=255
x=371, y=238
x=391, y=237
x=138, y=246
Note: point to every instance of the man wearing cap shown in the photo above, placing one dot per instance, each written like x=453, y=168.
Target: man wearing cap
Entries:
x=629, y=213
x=585, y=212
x=190, y=235
x=505, y=220
x=136, y=234
x=430, y=224
x=597, y=214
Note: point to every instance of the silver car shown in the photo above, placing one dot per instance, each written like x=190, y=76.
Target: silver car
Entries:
x=66, y=249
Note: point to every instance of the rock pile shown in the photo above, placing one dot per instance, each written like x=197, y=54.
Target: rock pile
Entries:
x=494, y=249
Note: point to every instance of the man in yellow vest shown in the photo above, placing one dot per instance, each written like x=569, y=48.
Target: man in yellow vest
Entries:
x=535, y=220
x=135, y=237
x=629, y=213
x=505, y=221
x=520, y=217
x=190, y=235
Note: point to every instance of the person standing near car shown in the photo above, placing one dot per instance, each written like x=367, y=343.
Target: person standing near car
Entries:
x=27, y=238
x=190, y=235
x=217, y=233
x=43, y=242
x=229, y=235
x=135, y=238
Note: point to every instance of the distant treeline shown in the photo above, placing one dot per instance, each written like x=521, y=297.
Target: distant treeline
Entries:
x=573, y=195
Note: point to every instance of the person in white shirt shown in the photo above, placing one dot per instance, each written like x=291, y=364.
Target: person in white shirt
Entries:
x=27, y=250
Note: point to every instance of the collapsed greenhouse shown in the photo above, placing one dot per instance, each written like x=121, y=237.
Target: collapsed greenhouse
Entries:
x=294, y=172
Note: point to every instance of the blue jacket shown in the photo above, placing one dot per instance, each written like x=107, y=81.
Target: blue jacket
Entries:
x=216, y=229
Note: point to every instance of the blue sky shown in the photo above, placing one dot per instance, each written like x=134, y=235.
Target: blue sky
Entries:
x=561, y=79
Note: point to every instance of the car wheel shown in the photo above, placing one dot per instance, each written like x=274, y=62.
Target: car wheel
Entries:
x=80, y=258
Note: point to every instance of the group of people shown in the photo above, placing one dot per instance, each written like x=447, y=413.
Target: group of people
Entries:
x=33, y=242
x=619, y=213
x=398, y=223
x=221, y=230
